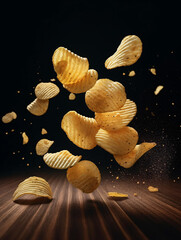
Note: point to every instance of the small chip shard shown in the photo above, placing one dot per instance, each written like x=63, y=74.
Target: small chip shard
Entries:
x=72, y=96
x=132, y=73
x=116, y=194
x=158, y=89
x=152, y=189
x=153, y=71
x=43, y=131
x=8, y=117
x=25, y=138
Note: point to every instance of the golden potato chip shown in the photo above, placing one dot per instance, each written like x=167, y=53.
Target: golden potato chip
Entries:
x=61, y=160
x=43, y=146
x=158, y=89
x=69, y=67
x=25, y=138
x=128, y=52
x=152, y=189
x=43, y=131
x=113, y=121
x=38, y=107
x=129, y=159
x=80, y=130
x=72, y=96
x=116, y=194
x=84, y=175
x=33, y=185
x=8, y=117
x=84, y=83
x=120, y=142
x=46, y=90
x=105, y=96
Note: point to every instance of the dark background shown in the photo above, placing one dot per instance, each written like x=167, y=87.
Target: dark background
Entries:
x=29, y=36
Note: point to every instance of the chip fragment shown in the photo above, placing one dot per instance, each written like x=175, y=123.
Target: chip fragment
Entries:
x=80, y=130
x=129, y=159
x=119, y=142
x=132, y=73
x=153, y=71
x=43, y=146
x=105, y=96
x=38, y=107
x=115, y=120
x=33, y=185
x=84, y=84
x=128, y=52
x=84, y=175
x=25, y=138
x=70, y=67
x=61, y=160
x=158, y=89
x=46, y=90
x=72, y=96
x=152, y=189
x=117, y=195
x=8, y=117
x=44, y=131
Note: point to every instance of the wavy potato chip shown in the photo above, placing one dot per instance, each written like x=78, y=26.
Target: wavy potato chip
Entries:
x=61, y=160
x=84, y=175
x=105, y=96
x=120, y=142
x=129, y=159
x=33, y=185
x=80, y=130
x=43, y=146
x=70, y=67
x=128, y=52
x=84, y=83
x=8, y=117
x=38, y=107
x=113, y=121
x=25, y=138
x=46, y=90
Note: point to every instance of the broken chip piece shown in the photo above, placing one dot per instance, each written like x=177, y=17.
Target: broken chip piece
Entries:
x=46, y=90
x=43, y=146
x=158, y=89
x=25, y=138
x=117, y=195
x=152, y=189
x=8, y=117
x=153, y=71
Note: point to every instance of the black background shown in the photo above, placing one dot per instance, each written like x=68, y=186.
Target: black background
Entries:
x=29, y=36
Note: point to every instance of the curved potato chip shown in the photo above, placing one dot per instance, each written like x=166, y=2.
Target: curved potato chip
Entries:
x=43, y=146
x=8, y=117
x=46, y=90
x=84, y=175
x=61, y=160
x=105, y=96
x=120, y=142
x=128, y=52
x=129, y=159
x=69, y=67
x=25, y=138
x=33, y=185
x=113, y=121
x=80, y=130
x=84, y=83
x=38, y=107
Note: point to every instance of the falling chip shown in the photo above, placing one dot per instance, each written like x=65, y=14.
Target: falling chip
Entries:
x=25, y=138
x=158, y=89
x=72, y=96
x=132, y=73
x=52, y=79
x=43, y=131
x=8, y=117
x=153, y=71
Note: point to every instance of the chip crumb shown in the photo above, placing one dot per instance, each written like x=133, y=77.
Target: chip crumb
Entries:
x=116, y=194
x=43, y=131
x=117, y=178
x=158, y=89
x=72, y=96
x=25, y=138
x=153, y=71
x=52, y=79
x=152, y=189
x=135, y=194
x=132, y=73
x=8, y=117
x=138, y=182
x=124, y=73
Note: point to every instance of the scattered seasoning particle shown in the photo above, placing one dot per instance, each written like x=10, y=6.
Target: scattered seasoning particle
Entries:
x=28, y=164
x=52, y=79
x=138, y=182
x=124, y=73
x=39, y=166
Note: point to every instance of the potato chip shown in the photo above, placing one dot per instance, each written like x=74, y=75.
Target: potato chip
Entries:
x=25, y=138
x=46, y=90
x=72, y=96
x=117, y=195
x=129, y=159
x=8, y=117
x=128, y=52
x=158, y=89
x=38, y=107
x=61, y=160
x=44, y=131
x=113, y=121
x=33, y=185
x=105, y=96
x=84, y=175
x=84, y=83
x=152, y=189
x=80, y=130
x=43, y=146
x=70, y=68
x=120, y=142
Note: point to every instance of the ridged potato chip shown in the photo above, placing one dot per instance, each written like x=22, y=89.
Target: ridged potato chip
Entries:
x=84, y=175
x=105, y=96
x=80, y=130
x=84, y=83
x=33, y=185
x=129, y=159
x=113, y=121
x=117, y=195
x=70, y=67
x=61, y=160
x=25, y=138
x=46, y=90
x=128, y=52
x=43, y=146
x=38, y=107
x=120, y=142
x=8, y=117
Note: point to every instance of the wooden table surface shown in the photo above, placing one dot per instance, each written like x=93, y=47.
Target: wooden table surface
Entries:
x=74, y=215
